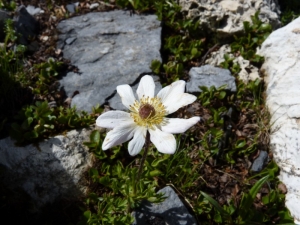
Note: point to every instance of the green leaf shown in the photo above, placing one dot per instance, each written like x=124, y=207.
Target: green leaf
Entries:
x=155, y=173
x=257, y=186
x=90, y=144
x=194, y=52
x=156, y=162
x=29, y=120
x=221, y=95
x=215, y=204
x=95, y=136
x=248, y=198
x=240, y=143
x=87, y=214
x=155, y=66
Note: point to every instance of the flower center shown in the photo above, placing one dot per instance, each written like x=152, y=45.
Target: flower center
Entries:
x=148, y=112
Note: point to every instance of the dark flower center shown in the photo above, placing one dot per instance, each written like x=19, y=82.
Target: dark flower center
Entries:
x=146, y=111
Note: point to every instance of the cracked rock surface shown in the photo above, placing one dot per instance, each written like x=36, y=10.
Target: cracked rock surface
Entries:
x=48, y=170
x=109, y=49
x=281, y=68
x=226, y=17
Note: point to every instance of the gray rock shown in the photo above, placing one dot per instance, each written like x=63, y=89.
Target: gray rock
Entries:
x=26, y=25
x=111, y=48
x=71, y=8
x=33, y=10
x=209, y=76
x=226, y=17
x=116, y=103
x=260, y=161
x=48, y=170
x=3, y=17
x=171, y=210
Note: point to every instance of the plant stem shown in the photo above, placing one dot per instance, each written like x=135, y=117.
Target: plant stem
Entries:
x=147, y=141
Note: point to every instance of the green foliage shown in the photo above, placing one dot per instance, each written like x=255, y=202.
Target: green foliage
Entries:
x=290, y=10
x=38, y=121
x=10, y=33
x=45, y=75
x=8, y=5
x=250, y=95
x=246, y=213
x=183, y=42
x=12, y=92
x=184, y=45
x=209, y=94
x=229, y=64
x=155, y=66
x=176, y=169
x=122, y=191
x=140, y=5
x=254, y=35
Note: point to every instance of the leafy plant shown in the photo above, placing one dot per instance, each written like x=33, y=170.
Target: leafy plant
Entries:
x=290, y=10
x=209, y=94
x=230, y=64
x=8, y=5
x=10, y=33
x=246, y=213
x=37, y=121
x=122, y=191
x=253, y=37
x=45, y=74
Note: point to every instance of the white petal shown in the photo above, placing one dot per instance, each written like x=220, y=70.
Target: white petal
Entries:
x=118, y=135
x=178, y=101
x=164, y=142
x=146, y=87
x=177, y=126
x=138, y=141
x=174, y=89
x=126, y=94
x=111, y=119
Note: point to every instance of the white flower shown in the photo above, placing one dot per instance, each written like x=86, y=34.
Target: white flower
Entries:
x=147, y=114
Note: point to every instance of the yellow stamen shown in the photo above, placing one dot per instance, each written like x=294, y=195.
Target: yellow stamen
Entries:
x=148, y=112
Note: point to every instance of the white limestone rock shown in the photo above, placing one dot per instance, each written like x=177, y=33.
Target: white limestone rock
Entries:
x=49, y=170
x=226, y=17
x=282, y=65
x=248, y=71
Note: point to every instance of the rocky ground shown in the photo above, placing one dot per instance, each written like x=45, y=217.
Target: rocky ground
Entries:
x=223, y=181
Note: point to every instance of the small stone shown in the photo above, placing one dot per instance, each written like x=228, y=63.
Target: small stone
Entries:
x=171, y=211
x=94, y=5
x=209, y=76
x=34, y=11
x=282, y=188
x=71, y=8
x=26, y=25
x=260, y=161
x=44, y=38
